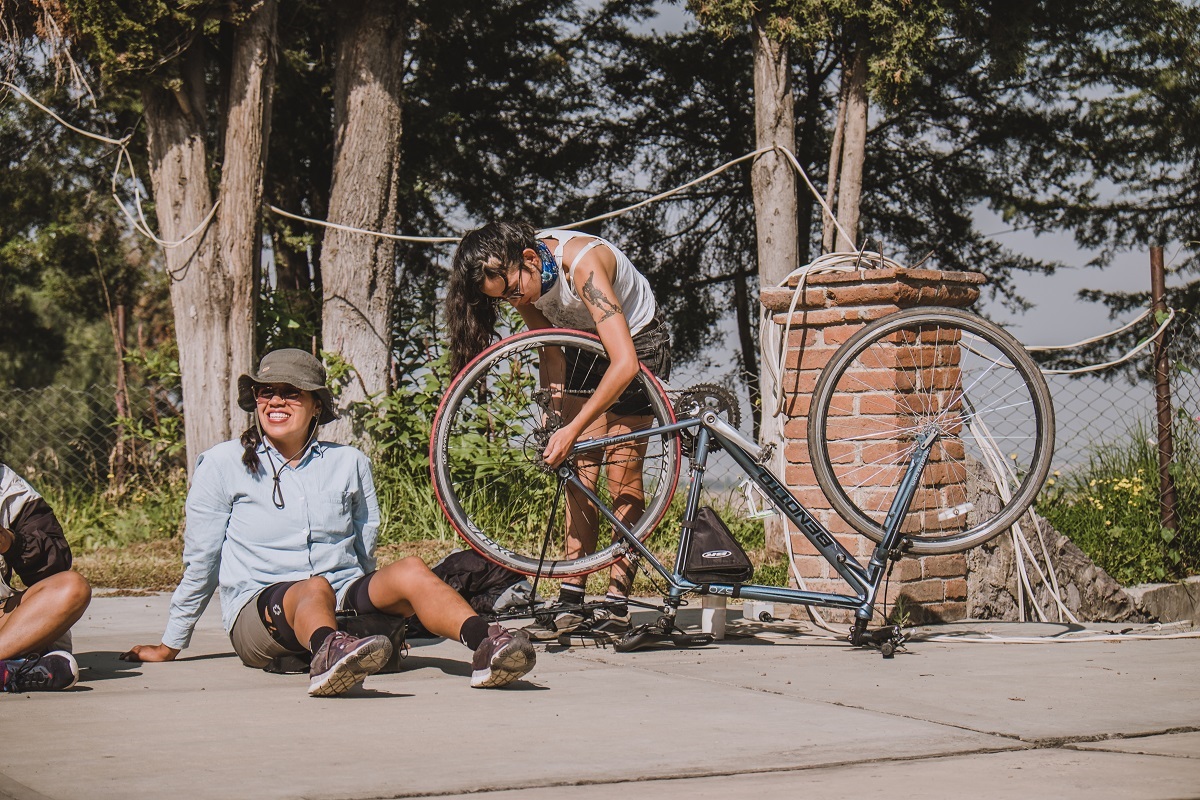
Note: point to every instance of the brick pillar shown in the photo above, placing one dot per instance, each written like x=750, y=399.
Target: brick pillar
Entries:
x=834, y=307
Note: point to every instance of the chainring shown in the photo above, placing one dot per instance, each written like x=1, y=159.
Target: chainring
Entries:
x=695, y=400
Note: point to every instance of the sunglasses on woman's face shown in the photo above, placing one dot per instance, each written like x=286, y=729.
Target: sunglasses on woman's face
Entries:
x=514, y=293
x=289, y=394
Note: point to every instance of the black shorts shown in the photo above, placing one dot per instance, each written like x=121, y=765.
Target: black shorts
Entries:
x=653, y=347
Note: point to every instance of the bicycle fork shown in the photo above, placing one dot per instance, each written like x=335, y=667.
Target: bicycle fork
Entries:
x=889, y=637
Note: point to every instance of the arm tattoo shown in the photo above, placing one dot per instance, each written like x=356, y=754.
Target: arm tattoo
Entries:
x=598, y=299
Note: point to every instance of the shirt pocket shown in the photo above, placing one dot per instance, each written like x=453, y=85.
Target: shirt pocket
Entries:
x=330, y=516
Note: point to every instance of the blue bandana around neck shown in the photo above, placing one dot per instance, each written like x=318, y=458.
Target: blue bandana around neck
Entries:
x=549, y=266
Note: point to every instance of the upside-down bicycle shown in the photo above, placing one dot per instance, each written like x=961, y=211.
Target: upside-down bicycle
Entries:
x=930, y=431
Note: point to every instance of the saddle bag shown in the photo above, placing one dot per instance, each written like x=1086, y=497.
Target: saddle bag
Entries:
x=713, y=555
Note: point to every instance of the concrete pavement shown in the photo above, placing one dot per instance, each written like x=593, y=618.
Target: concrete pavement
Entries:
x=771, y=709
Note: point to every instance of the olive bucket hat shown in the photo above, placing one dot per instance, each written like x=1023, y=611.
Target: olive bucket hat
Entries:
x=295, y=368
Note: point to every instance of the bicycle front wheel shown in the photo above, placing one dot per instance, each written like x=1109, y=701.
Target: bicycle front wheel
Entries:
x=942, y=376
x=489, y=435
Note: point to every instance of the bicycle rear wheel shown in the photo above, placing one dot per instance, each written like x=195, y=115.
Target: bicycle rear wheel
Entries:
x=932, y=372
x=491, y=429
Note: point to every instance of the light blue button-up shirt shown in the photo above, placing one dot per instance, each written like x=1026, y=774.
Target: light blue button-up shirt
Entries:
x=237, y=540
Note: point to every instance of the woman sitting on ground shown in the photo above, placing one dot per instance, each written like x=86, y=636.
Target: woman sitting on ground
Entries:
x=286, y=525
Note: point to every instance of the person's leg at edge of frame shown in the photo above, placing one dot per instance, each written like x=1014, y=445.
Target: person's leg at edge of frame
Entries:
x=408, y=587
x=30, y=623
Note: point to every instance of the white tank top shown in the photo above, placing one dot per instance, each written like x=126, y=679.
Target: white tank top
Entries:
x=562, y=305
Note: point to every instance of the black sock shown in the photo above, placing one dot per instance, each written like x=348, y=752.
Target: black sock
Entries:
x=619, y=605
x=570, y=595
x=318, y=638
x=473, y=631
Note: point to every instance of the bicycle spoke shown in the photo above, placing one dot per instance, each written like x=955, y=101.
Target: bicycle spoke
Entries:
x=930, y=375
x=494, y=425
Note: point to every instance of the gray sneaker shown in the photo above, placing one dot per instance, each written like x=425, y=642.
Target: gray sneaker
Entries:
x=605, y=621
x=562, y=623
x=343, y=661
x=501, y=658
x=604, y=628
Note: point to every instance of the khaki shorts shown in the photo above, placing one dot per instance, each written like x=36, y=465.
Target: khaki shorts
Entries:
x=252, y=642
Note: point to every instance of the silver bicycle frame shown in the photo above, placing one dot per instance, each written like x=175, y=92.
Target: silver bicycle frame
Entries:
x=864, y=581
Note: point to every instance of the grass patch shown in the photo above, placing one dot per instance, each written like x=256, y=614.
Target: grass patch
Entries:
x=1109, y=508
x=144, y=512
x=153, y=565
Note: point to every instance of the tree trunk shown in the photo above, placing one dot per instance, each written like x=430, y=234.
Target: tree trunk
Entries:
x=247, y=131
x=773, y=183
x=118, y=461
x=212, y=275
x=772, y=179
x=747, y=324
x=358, y=272
x=828, y=229
x=199, y=290
x=854, y=150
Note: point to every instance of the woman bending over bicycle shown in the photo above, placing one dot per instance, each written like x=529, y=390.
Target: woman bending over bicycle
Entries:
x=568, y=279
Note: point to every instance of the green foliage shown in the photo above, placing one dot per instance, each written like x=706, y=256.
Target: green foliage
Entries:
x=286, y=318
x=147, y=36
x=150, y=509
x=900, y=35
x=65, y=260
x=398, y=424
x=1110, y=507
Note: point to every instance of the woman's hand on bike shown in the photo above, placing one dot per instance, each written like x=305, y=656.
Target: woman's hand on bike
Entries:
x=560, y=444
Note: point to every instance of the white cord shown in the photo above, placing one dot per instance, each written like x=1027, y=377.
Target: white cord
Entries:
x=63, y=122
x=1111, y=637
x=663, y=195
x=1122, y=359
x=336, y=226
x=123, y=157
x=1092, y=340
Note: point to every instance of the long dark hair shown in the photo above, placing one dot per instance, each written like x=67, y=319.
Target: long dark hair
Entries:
x=490, y=251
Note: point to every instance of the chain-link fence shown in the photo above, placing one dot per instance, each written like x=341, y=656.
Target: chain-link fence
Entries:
x=1121, y=411
x=76, y=437
x=59, y=435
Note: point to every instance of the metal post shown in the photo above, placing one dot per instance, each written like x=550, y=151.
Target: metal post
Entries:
x=1162, y=397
